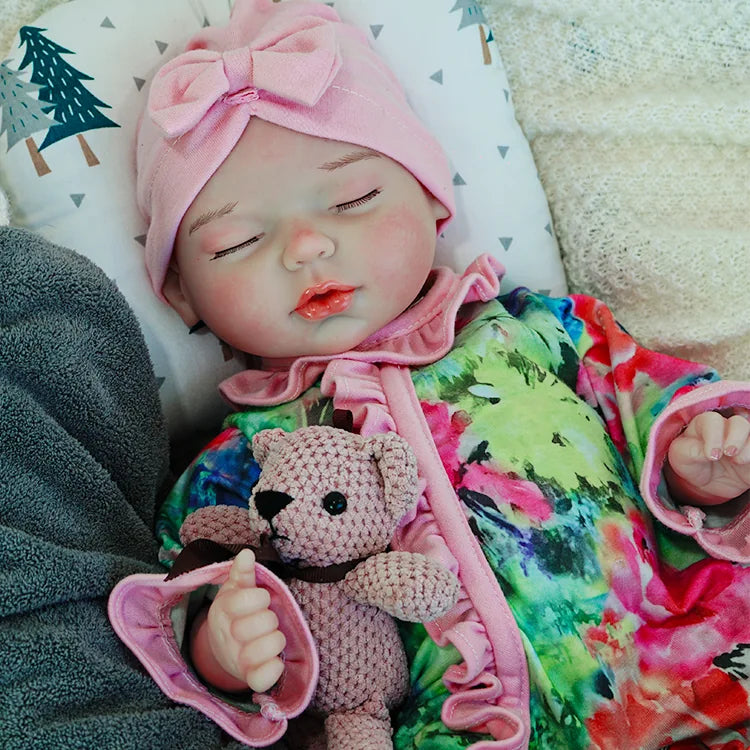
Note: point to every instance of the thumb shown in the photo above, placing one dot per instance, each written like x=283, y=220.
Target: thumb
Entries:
x=242, y=572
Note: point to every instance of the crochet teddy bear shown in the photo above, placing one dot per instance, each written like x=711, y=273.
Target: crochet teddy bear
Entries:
x=328, y=502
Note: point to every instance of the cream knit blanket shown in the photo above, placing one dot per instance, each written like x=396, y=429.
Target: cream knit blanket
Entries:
x=638, y=114
x=16, y=13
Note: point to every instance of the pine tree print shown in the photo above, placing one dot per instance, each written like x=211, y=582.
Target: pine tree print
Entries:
x=471, y=13
x=22, y=114
x=74, y=107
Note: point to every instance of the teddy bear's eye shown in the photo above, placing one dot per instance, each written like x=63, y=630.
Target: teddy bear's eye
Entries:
x=334, y=503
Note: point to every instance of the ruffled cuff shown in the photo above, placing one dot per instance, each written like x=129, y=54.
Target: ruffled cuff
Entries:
x=144, y=612
x=722, y=530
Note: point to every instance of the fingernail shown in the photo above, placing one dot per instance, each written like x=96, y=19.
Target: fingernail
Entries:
x=715, y=454
x=731, y=450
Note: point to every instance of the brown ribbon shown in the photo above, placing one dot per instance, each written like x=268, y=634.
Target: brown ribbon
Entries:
x=201, y=552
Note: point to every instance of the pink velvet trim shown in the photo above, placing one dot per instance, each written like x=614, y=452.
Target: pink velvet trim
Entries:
x=730, y=542
x=139, y=610
x=481, y=625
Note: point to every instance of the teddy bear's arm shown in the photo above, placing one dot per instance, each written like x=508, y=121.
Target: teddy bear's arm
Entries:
x=407, y=585
x=225, y=524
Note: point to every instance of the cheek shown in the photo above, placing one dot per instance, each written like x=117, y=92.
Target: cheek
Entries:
x=400, y=236
x=227, y=303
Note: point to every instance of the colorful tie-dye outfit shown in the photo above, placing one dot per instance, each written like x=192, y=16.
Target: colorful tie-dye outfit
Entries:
x=583, y=622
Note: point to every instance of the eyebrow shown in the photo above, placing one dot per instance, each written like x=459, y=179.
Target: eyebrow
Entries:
x=329, y=166
x=207, y=216
x=349, y=158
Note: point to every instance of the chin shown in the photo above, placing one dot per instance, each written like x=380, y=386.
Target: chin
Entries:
x=336, y=342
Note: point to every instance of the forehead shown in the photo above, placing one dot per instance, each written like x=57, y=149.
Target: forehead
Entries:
x=271, y=159
x=264, y=143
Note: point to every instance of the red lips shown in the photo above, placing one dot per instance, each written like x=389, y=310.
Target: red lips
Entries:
x=321, y=300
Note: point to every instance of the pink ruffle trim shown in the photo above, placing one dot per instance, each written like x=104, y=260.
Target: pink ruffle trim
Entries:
x=139, y=610
x=730, y=541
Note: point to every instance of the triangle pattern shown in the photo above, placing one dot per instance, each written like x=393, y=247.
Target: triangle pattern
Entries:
x=161, y=46
x=507, y=94
x=376, y=29
x=545, y=292
x=437, y=76
x=505, y=242
x=503, y=150
x=548, y=227
x=205, y=22
x=141, y=239
x=160, y=382
x=139, y=82
x=77, y=198
x=458, y=180
x=107, y=24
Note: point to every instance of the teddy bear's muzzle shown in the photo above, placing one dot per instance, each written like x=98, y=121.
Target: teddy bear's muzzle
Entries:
x=271, y=502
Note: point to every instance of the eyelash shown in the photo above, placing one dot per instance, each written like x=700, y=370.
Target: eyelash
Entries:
x=359, y=201
x=230, y=250
x=340, y=208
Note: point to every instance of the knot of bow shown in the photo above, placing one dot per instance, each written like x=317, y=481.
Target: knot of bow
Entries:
x=298, y=67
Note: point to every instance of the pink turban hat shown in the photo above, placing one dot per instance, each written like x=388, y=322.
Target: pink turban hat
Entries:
x=292, y=63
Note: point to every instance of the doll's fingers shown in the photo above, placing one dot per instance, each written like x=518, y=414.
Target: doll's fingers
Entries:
x=251, y=627
x=736, y=434
x=266, y=675
x=685, y=448
x=709, y=428
x=743, y=457
x=242, y=572
x=261, y=650
x=246, y=601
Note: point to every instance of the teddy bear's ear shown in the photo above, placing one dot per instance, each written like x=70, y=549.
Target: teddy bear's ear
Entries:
x=398, y=467
x=267, y=440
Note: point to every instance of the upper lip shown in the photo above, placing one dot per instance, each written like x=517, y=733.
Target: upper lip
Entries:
x=322, y=288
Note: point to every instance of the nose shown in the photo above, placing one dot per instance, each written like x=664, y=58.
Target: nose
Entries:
x=306, y=245
x=271, y=502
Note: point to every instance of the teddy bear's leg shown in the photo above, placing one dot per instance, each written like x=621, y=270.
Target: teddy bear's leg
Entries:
x=357, y=730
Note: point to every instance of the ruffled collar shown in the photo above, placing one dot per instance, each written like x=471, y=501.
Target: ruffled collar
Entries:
x=420, y=335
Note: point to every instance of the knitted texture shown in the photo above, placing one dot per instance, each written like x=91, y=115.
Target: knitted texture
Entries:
x=362, y=661
x=349, y=731
x=225, y=524
x=327, y=496
x=376, y=477
x=406, y=584
x=17, y=13
x=637, y=117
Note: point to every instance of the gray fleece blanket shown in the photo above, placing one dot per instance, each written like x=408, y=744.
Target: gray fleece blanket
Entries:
x=83, y=464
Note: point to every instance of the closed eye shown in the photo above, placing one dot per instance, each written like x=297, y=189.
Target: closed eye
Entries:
x=235, y=248
x=341, y=207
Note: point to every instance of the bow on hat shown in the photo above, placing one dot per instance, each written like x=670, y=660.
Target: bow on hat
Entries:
x=299, y=67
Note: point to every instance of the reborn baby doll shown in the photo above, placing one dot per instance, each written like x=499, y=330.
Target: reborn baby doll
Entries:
x=293, y=202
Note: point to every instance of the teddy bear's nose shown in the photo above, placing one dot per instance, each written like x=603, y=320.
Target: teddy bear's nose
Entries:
x=270, y=502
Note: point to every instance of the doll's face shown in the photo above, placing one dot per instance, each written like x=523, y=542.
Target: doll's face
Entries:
x=300, y=245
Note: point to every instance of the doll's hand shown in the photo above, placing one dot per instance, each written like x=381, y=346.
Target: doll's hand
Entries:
x=241, y=632
x=709, y=463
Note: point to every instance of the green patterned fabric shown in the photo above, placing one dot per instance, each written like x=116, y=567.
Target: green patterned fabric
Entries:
x=540, y=414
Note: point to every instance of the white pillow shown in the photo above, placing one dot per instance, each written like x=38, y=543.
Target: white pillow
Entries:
x=78, y=190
